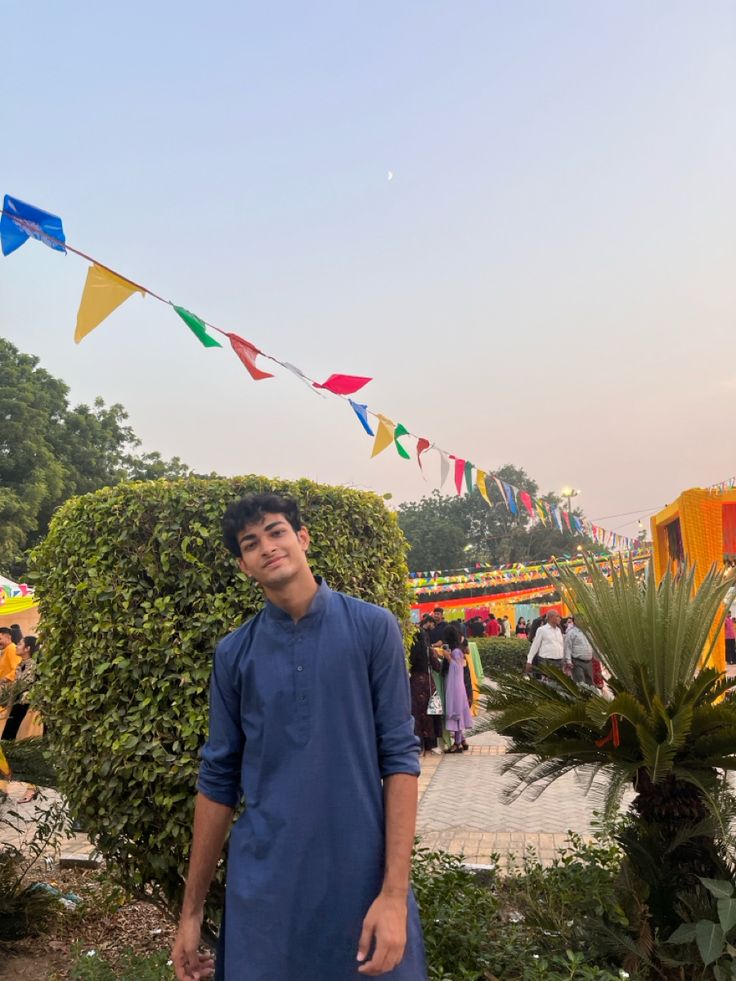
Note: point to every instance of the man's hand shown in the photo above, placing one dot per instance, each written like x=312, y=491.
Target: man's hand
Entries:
x=528, y=667
x=189, y=964
x=567, y=668
x=386, y=922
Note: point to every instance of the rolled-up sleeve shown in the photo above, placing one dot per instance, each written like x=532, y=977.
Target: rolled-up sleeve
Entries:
x=398, y=747
x=222, y=754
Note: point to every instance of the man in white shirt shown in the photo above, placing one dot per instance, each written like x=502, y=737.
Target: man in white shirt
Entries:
x=549, y=645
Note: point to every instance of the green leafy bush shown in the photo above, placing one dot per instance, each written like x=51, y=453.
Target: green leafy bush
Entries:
x=499, y=655
x=481, y=929
x=135, y=590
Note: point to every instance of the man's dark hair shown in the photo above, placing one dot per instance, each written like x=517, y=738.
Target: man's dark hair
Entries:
x=438, y=609
x=251, y=509
x=6, y=630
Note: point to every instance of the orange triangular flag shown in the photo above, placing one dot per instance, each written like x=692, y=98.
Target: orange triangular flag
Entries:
x=104, y=291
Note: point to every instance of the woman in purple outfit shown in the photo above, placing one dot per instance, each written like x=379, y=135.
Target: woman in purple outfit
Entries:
x=457, y=711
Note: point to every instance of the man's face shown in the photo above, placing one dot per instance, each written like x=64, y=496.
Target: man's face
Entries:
x=554, y=620
x=271, y=552
x=4, y=641
x=439, y=616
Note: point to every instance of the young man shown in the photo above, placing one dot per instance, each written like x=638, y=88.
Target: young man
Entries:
x=310, y=721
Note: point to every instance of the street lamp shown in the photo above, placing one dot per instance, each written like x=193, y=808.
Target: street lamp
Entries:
x=568, y=493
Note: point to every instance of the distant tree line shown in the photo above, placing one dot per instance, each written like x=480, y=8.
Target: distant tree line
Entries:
x=452, y=532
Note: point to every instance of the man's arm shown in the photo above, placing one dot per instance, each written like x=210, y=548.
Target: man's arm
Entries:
x=211, y=824
x=534, y=649
x=386, y=918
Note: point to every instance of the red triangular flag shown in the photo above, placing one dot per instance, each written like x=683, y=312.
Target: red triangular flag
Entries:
x=527, y=502
x=459, y=472
x=422, y=445
x=247, y=354
x=343, y=384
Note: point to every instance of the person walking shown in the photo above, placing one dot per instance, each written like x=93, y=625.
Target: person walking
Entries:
x=579, y=653
x=457, y=711
x=9, y=659
x=25, y=675
x=422, y=661
x=310, y=722
x=548, y=645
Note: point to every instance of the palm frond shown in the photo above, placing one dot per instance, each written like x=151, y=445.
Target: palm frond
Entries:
x=651, y=634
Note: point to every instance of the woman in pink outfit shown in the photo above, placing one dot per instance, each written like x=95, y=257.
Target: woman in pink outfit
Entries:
x=457, y=711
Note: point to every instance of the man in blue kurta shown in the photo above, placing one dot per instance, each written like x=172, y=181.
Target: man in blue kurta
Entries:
x=310, y=722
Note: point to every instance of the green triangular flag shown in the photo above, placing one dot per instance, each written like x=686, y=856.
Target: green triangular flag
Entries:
x=197, y=327
x=401, y=431
x=469, y=475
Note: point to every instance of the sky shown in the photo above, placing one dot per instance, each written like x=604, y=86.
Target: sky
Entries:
x=547, y=280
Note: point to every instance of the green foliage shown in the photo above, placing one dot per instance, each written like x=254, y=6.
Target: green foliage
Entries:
x=25, y=909
x=668, y=732
x=449, y=532
x=50, y=451
x=651, y=636
x=135, y=590
x=88, y=965
x=711, y=942
x=477, y=929
x=500, y=655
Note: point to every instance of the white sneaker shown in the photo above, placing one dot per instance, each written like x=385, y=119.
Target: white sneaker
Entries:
x=436, y=751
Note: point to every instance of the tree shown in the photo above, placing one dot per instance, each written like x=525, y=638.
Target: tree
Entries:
x=449, y=532
x=50, y=452
x=669, y=732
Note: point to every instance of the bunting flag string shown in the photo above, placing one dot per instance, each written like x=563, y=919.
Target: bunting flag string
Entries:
x=105, y=290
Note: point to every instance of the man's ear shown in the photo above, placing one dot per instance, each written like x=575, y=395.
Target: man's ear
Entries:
x=303, y=536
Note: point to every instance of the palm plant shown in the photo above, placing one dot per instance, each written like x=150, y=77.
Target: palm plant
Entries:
x=669, y=731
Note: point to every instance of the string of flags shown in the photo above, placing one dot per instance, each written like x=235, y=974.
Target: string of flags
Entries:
x=434, y=582
x=105, y=290
x=723, y=486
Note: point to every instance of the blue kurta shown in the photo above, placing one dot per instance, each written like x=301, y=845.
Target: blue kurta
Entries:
x=305, y=720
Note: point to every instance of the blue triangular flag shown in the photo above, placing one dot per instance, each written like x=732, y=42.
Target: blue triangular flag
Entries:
x=361, y=412
x=510, y=497
x=21, y=221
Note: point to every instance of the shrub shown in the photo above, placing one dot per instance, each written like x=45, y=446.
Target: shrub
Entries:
x=135, y=589
x=480, y=930
x=499, y=655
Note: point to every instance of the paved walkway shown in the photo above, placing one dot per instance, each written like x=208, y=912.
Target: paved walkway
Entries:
x=461, y=809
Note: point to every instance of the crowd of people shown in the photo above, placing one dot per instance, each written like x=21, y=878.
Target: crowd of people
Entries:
x=17, y=674
x=441, y=685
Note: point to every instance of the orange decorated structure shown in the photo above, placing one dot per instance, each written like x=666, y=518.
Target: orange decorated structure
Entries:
x=700, y=528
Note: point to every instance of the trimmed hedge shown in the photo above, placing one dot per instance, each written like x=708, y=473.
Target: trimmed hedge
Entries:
x=501, y=654
x=135, y=589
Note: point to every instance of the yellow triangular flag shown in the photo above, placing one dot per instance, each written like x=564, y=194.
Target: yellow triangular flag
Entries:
x=103, y=293
x=384, y=436
x=480, y=479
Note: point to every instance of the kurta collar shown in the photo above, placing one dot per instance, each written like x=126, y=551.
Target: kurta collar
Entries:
x=317, y=606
